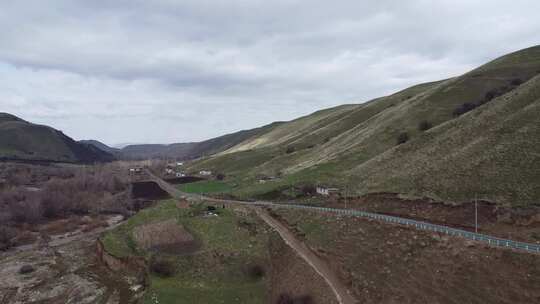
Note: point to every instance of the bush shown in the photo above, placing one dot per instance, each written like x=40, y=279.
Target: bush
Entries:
x=162, y=267
x=6, y=236
x=516, y=82
x=255, y=272
x=290, y=149
x=220, y=176
x=402, y=138
x=309, y=190
x=424, y=125
x=80, y=191
x=464, y=108
x=26, y=269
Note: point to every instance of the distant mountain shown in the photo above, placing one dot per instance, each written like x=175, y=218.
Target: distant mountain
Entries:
x=101, y=146
x=476, y=135
x=147, y=151
x=191, y=150
x=22, y=140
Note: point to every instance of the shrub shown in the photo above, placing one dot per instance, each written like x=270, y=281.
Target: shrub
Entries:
x=464, y=108
x=516, y=82
x=162, y=267
x=220, y=176
x=402, y=138
x=6, y=236
x=490, y=95
x=308, y=190
x=290, y=149
x=26, y=269
x=255, y=272
x=425, y=125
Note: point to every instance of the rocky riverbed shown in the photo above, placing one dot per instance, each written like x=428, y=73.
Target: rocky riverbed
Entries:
x=64, y=269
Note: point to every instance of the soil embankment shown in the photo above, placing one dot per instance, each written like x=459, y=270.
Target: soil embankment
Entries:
x=520, y=224
x=132, y=265
x=148, y=190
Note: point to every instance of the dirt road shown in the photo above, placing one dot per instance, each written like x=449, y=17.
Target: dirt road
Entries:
x=320, y=266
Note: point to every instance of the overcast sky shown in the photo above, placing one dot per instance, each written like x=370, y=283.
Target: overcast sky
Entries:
x=174, y=71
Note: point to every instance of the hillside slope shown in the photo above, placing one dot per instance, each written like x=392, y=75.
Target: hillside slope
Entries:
x=492, y=153
x=192, y=150
x=100, y=145
x=340, y=145
x=22, y=140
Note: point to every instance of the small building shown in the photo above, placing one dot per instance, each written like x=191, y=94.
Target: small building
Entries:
x=179, y=164
x=327, y=191
x=180, y=174
x=135, y=170
x=169, y=171
x=205, y=172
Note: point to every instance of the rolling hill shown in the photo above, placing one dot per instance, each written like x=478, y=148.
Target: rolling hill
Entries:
x=100, y=145
x=22, y=140
x=193, y=150
x=472, y=135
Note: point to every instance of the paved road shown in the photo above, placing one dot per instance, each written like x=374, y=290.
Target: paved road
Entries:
x=490, y=240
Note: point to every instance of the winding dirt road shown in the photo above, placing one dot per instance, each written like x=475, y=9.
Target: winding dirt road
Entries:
x=319, y=265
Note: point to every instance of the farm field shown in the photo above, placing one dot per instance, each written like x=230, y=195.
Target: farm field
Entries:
x=206, y=187
x=229, y=266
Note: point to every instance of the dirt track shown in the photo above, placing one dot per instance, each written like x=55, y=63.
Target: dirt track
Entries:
x=321, y=267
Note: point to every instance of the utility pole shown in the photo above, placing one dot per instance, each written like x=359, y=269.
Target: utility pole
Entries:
x=345, y=197
x=475, y=214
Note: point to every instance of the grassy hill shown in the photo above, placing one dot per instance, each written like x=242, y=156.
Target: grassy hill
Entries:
x=191, y=150
x=23, y=140
x=475, y=146
x=100, y=145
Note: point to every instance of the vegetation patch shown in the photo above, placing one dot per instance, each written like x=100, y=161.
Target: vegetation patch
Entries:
x=210, y=186
x=166, y=236
x=229, y=266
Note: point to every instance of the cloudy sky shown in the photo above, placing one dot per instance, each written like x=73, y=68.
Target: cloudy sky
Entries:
x=172, y=71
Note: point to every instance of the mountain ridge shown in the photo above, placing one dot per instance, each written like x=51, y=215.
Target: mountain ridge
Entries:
x=22, y=140
x=325, y=147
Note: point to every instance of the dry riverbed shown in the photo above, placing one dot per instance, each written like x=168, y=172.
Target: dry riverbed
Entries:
x=63, y=269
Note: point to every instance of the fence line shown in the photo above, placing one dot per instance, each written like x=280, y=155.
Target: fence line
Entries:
x=490, y=240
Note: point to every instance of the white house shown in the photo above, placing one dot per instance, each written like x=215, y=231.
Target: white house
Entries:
x=135, y=170
x=326, y=191
x=205, y=172
x=179, y=164
x=180, y=174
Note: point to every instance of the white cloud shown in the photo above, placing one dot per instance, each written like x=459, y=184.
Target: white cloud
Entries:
x=166, y=71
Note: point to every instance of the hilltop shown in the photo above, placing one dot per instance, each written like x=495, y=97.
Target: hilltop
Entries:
x=475, y=135
x=22, y=140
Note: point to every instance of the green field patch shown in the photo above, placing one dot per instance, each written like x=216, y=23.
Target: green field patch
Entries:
x=211, y=186
x=233, y=243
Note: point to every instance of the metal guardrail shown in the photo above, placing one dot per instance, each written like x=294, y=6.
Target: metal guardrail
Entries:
x=490, y=240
